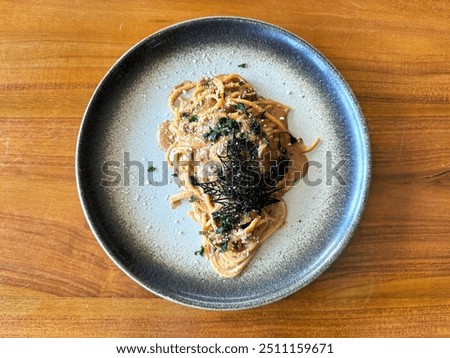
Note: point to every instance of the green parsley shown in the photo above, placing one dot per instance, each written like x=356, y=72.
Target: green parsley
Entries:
x=242, y=65
x=194, y=118
x=224, y=247
x=175, y=175
x=254, y=127
x=244, y=136
x=151, y=169
x=192, y=198
x=292, y=138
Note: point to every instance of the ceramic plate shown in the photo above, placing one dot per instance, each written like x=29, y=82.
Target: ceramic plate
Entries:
x=127, y=207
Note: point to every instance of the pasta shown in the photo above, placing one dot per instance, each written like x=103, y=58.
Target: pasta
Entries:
x=234, y=158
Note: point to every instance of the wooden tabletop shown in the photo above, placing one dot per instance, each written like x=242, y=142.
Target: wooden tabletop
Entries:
x=392, y=280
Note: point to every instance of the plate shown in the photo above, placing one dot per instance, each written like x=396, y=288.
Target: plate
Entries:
x=127, y=207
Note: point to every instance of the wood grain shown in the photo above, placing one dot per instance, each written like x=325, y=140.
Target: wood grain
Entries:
x=392, y=280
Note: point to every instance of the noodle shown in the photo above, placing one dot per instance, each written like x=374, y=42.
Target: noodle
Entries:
x=234, y=158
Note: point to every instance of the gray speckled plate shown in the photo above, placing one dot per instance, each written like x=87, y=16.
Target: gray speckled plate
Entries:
x=132, y=218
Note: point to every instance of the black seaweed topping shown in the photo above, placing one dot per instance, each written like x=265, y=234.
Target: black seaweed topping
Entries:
x=241, y=187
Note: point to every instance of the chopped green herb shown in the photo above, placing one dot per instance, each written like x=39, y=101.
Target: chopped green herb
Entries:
x=241, y=107
x=224, y=127
x=224, y=247
x=200, y=252
x=175, y=175
x=194, y=118
x=151, y=168
x=192, y=198
x=292, y=138
x=227, y=222
x=243, y=65
x=254, y=127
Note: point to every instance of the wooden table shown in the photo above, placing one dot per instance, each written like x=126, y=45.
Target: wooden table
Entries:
x=392, y=280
